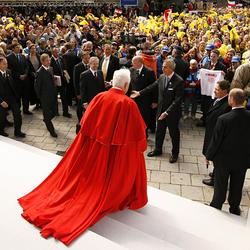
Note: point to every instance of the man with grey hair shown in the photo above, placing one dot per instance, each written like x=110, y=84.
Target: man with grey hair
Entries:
x=141, y=77
x=105, y=160
x=88, y=47
x=91, y=82
x=230, y=161
x=170, y=92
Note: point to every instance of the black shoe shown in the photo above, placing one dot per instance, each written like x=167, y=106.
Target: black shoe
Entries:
x=8, y=124
x=4, y=134
x=154, y=153
x=211, y=174
x=173, y=159
x=68, y=115
x=53, y=134
x=27, y=112
x=200, y=123
x=20, y=134
x=208, y=182
x=235, y=211
x=38, y=106
x=78, y=128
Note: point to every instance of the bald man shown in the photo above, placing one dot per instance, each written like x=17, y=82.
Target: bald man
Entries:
x=229, y=149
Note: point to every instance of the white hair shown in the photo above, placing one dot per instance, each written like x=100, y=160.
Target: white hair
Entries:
x=93, y=59
x=170, y=63
x=121, y=77
x=193, y=61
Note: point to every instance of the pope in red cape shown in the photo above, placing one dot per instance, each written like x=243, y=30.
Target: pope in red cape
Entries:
x=103, y=170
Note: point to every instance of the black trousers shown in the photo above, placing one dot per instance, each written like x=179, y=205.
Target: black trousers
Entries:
x=15, y=109
x=152, y=124
x=79, y=110
x=24, y=93
x=63, y=95
x=222, y=176
x=174, y=132
x=70, y=91
x=206, y=103
x=48, y=115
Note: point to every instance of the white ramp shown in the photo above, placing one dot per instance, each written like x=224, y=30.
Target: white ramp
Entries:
x=167, y=222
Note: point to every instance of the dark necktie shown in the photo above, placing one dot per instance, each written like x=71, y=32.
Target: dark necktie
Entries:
x=19, y=58
x=95, y=74
x=137, y=73
x=166, y=82
x=4, y=75
x=59, y=65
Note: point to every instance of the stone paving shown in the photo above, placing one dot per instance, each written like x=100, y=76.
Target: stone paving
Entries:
x=183, y=178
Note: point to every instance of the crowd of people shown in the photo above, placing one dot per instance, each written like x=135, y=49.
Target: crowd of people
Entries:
x=74, y=54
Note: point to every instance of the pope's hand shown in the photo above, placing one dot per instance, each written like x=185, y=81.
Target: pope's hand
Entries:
x=162, y=116
x=135, y=94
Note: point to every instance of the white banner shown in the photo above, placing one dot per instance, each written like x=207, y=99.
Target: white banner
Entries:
x=208, y=80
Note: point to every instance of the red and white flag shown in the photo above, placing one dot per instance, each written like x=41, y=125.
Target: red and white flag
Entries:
x=231, y=3
x=167, y=15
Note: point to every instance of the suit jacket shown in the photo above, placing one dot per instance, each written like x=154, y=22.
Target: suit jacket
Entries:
x=17, y=67
x=45, y=89
x=4, y=95
x=58, y=70
x=182, y=67
x=220, y=108
x=218, y=66
x=139, y=82
x=170, y=98
x=90, y=85
x=78, y=69
x=112, y=67
x=230, y=144
x=70, y=60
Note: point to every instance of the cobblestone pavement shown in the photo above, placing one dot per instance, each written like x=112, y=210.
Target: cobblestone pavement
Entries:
x=183, y=178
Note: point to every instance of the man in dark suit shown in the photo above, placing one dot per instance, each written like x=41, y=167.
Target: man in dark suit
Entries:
x=70, y=59
x=9, y=99
x=141, y=77
x=58, y=67
x=78, y=70
x=18, y=65
x=46, y=92
x=170, y=92
x=207, y=101
x=108, y=63
x=229, y=150
x=91, y=82
x=219, y=107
